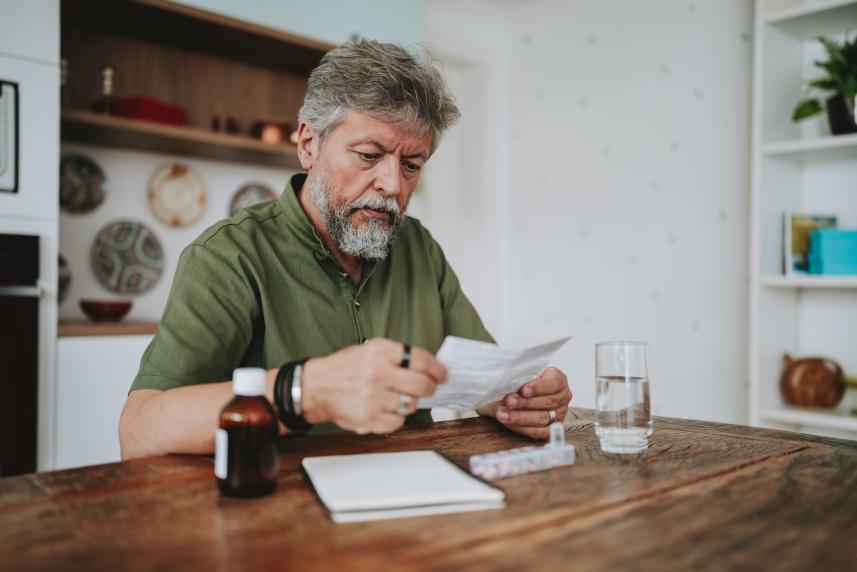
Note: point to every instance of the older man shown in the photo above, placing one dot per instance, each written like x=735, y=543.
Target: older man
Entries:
x=332, y=263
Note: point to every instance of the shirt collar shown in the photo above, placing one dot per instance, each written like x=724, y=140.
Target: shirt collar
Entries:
x=296, y=218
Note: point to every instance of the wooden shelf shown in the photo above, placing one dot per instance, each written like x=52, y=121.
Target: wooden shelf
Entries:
x=809, y=282
x=844, y=146
x=76, y=329
x=816, y=18
x=827, y=419
x=105, y=130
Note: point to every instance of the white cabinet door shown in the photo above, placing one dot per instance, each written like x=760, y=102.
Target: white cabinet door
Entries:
x=38, y=135
x=94, y=374
x=30, y=29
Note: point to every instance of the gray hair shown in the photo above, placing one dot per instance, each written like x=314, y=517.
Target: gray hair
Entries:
x=382, y=80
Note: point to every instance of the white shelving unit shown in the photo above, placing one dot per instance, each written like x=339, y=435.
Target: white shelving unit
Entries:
x=801, y=167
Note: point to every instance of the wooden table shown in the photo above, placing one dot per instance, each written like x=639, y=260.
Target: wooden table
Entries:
x=705, y=495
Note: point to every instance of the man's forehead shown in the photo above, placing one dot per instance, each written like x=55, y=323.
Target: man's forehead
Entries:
x=362, y=129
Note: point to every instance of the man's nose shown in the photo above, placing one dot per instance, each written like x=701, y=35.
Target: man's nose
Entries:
x=387, y=177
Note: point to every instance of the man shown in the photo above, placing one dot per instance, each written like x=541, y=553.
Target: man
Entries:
x=332, y=263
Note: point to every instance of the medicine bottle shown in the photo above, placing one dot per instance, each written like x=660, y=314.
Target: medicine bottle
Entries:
x=246, y=461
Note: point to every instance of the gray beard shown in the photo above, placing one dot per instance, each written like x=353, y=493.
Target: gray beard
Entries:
x=374, y=239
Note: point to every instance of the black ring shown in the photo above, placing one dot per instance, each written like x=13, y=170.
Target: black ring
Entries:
x=406, y=356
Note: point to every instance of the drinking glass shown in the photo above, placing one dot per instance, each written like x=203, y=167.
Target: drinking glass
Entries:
x=623, y=414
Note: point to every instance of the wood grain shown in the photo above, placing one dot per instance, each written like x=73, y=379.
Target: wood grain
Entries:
x=705, y=495
x=72, y=329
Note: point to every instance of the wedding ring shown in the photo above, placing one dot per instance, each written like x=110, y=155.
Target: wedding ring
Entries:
x=552, y=416
x=404, y=405
x=406, y=356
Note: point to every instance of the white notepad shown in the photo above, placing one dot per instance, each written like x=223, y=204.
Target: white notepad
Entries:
x=378, y=486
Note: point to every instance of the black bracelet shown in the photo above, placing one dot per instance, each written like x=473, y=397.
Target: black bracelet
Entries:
x=283, y=397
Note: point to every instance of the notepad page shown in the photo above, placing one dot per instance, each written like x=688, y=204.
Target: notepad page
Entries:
x=378, y=481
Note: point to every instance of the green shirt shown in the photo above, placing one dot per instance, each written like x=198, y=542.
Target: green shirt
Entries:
x=260, y=289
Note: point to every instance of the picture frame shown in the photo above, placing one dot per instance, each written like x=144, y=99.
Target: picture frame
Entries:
x=9, y=136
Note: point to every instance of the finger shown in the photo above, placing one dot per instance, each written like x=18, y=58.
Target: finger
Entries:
x=524, y=418
x=414, y=383
x=549, y=381
x=424, y=361
x=386, y=423
x=393, y=399
x=540, y=433
x=515, y=401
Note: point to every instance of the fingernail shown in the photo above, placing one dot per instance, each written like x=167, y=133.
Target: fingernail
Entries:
x=513, y=401
x=503, y=415
x=528, y=391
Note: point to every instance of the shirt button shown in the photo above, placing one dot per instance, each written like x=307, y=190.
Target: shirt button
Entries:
x=356, y=303
x=344, y=274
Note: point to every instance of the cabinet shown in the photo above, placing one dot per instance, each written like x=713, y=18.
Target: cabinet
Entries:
x=799, y=167
x=94, y=374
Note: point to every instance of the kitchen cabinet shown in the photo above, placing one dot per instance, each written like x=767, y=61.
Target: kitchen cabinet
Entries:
x=94, y=374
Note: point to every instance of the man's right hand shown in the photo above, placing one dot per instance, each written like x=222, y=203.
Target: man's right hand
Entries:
x=359, y=387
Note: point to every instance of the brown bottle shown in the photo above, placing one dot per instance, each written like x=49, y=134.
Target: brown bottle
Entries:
x=246, y=460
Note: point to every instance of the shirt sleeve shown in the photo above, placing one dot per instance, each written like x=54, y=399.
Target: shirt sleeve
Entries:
x=460, y=318
x=207, y=324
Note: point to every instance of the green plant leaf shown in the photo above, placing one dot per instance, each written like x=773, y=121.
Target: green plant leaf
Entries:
x=806, y=108
x=824, y=84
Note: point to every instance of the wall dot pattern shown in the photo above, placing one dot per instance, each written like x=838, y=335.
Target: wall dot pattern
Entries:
x=648, y=172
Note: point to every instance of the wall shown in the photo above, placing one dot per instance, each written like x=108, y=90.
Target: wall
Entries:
x=629, y=191
x=333, y=21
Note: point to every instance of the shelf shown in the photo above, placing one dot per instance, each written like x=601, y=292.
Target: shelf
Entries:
x=105, y=130
x=840, y=146
x=827, y=419
x=815, y=18
x=808, y=282
x=76, y=329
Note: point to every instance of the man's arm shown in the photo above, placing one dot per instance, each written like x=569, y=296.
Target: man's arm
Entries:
x=358, y=388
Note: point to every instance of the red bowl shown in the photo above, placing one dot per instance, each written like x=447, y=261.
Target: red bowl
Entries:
x=105, y=310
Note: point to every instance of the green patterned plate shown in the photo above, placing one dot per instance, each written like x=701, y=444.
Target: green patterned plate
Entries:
x=127, y=257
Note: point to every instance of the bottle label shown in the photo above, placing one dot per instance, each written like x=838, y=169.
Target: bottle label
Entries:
x=221, y=453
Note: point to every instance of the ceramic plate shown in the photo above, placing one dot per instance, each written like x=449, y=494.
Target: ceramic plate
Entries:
x=82, y=184
x=249, y=195
x=127, y=257
x=64, y=279
x=177, y=194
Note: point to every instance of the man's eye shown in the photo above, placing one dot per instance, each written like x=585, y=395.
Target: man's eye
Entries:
x=368, y=157
x=411, y=167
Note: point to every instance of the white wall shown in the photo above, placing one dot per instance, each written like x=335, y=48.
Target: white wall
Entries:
x=627, y=204
x=333, y=21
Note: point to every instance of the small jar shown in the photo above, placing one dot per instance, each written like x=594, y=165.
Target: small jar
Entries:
x=246, y=459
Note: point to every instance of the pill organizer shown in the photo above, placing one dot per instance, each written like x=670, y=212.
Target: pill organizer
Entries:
x=525, y=459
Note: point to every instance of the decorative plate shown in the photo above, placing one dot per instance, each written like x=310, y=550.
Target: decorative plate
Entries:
x=249, y=195
x=64, y=281
x=82, y=184
x=127, y=257
x=176, y=194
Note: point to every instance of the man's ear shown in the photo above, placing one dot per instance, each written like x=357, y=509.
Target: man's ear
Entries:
x=308, y=142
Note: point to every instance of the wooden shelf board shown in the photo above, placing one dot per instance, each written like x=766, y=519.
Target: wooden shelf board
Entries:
x=73, y=329
x=844, y=145
x=828, y=419
x=814, y=18
x=808, y=282
x=107, y=130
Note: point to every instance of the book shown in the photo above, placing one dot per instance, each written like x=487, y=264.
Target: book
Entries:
x=797, y=228
x=377, y=486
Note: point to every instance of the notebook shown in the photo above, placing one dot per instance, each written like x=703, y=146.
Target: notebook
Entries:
x=377, y=486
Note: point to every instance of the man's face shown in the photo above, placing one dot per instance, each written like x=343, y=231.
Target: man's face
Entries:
x=363, y=178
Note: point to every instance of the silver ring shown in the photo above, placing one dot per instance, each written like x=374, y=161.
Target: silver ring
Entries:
x=404, y=405
x=552, y=416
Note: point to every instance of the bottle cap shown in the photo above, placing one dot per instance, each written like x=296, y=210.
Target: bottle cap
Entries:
x=248, y=381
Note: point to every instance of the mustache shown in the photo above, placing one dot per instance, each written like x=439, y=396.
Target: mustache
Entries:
x=376, y=203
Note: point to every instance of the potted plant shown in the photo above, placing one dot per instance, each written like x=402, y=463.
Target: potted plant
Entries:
x=841, y=79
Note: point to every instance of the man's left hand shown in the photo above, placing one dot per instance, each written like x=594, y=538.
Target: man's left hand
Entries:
x=528, y=411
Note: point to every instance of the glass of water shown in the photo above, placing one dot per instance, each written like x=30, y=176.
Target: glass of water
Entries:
x=623, y=413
